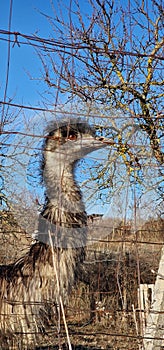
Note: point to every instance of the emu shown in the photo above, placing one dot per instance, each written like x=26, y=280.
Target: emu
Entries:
x=29, y=292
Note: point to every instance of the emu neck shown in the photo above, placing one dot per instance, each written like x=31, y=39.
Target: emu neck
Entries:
x=64, y=207
x=62, y=189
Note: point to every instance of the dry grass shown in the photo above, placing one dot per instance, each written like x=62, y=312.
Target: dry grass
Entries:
x=99, y=313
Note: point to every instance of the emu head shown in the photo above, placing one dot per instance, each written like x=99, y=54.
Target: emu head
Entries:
x=69, y=141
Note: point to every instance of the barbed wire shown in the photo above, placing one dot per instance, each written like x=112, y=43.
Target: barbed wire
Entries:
x=95, y=241
x=64, y=112
x=60, y=44
x=8, y=63
x=55, y=45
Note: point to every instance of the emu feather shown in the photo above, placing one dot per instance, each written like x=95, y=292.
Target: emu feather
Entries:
x=28, y=289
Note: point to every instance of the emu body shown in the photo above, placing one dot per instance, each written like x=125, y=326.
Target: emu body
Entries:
x=28, y=288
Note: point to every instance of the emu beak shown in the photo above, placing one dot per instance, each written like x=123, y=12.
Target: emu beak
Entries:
x=105, y=140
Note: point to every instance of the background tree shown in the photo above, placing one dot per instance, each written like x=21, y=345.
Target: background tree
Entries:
x=112, y=55
x=105, y=59
x=108, y=55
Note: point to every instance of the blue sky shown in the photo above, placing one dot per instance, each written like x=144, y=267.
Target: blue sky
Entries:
x=24, y=61
x=27, y=18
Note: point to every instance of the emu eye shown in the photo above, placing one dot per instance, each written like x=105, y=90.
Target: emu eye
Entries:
x=72, y=137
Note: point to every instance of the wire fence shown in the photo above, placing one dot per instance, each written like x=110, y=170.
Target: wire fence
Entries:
x=116, y=301
x=107, y=306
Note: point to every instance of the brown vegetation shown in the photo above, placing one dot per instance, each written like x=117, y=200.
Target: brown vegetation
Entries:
x=100, y=311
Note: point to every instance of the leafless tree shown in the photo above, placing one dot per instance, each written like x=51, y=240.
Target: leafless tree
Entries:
x=111, y=53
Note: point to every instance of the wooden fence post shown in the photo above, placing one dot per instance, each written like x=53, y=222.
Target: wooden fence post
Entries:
x=154, y=333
